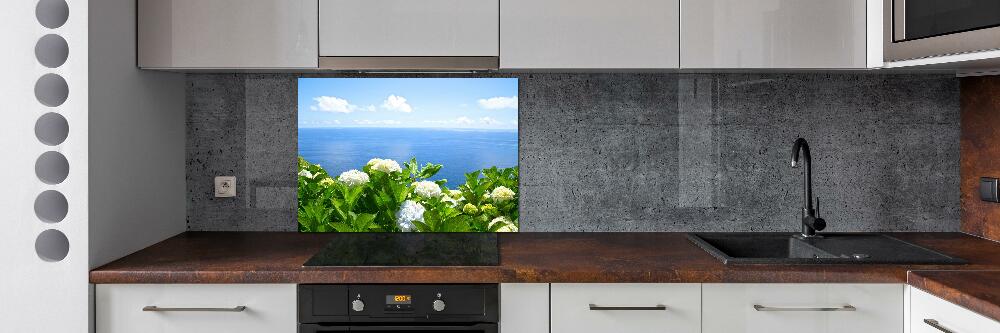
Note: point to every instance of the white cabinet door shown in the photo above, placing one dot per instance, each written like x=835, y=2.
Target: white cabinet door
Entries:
x=773, y=34
x=524, y=308
x=408, y=28
x=227, y=33
x=927, y=310
x=589, y=34
x=270, y=308
x=802, y=308
x=626, y=308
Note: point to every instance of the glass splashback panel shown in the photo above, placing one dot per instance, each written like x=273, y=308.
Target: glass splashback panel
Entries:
x=407, y=155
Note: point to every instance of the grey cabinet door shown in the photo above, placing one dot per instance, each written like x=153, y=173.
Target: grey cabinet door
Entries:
x=773, y=34
x=408, y=28
x=219, y=34
x=581, y=34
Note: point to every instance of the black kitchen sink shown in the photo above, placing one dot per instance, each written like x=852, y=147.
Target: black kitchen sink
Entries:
x=831, y=248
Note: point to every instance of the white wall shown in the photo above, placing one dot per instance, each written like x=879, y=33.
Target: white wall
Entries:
x=38, y=295
x=125, y=150
x=137, y=191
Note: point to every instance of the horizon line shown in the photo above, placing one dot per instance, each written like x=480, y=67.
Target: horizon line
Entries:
x=411, y=127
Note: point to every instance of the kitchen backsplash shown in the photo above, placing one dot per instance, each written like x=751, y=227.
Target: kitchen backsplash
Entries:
x=639, y=152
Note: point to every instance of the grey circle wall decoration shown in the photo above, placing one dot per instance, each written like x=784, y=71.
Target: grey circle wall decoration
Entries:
x=52, y=167
x=51, y=51
x=51, y=129
x=51, y=206
x=51, y=90
x=52, y=13
x=52, y=245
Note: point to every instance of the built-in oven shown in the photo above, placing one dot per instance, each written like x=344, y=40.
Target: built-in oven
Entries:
x=387, y=308
x=928, y=28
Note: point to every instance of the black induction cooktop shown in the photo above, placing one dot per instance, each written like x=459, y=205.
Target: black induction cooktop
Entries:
x=409, y=249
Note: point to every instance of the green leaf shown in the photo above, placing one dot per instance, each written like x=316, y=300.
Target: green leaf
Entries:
x=429, y=170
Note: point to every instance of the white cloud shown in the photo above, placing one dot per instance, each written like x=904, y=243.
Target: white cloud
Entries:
x=321, y=123
x=489, y=121
x=397, y=103
x=497, y=103
x=333, y=104
x=377, y=122
x=370, y=108
x=466, y=122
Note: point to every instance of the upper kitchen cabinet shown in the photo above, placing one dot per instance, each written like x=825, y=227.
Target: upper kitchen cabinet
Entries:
x=780, y=34
x=408, y=34
x=589, y=34
x=221, y=34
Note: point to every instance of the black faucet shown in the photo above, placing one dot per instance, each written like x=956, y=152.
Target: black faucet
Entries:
x=811, y=222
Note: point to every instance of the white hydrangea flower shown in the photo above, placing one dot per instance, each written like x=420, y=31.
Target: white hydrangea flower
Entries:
x=384, y=165
x=408, y=212
x=508, y=226
x=353, y=177
x=306, y=173
x=452, y=197
x=501, y=194
x=427, y=189
x=326, y=181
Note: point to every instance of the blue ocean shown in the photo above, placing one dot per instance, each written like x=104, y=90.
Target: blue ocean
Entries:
x=459, y=150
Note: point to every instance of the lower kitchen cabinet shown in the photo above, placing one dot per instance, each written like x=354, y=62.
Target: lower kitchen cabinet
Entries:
x=802, y=308
x=930, y=314
x=190, y=308
x=625, y=307
x=569, y=307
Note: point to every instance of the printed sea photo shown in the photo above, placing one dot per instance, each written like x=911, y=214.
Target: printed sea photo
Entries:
x=407, y=155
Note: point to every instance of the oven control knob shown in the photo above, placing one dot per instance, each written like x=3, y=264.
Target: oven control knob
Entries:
x=358, y=305
x=438, y=305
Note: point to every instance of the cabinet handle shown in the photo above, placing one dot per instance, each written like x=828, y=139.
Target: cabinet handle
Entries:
x=154, y=308
x=759, y=307
x=935, y=324
x=658, y=307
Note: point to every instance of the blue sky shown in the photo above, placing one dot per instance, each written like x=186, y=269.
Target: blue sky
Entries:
x=477, y=103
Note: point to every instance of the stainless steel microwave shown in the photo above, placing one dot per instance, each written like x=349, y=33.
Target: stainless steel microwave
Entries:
x=916, y=29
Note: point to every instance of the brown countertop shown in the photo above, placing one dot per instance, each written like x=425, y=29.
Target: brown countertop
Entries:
x=277, y=257
x=975, y=290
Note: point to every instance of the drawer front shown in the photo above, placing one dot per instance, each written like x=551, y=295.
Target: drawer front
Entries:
x=269, y=308
x=524, y=308
x=802, y=308
x=946, y=315
x=680, y=308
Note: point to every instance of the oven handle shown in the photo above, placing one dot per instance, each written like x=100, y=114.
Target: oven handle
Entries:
x=315, y=328
x=485, y=328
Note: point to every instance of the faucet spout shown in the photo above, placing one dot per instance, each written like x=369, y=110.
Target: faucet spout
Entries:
x=810, y=222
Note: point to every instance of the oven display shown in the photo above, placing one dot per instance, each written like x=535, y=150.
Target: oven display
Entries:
x=399, y=303
x=398, y=299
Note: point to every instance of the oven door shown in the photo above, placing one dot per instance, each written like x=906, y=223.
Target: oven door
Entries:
x=916, y=29
x=475, y=328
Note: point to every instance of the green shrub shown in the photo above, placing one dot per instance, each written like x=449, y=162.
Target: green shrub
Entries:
x=387, y=197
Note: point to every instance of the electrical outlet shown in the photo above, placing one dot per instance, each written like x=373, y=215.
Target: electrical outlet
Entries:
x=225, y=187
x=988, y=189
